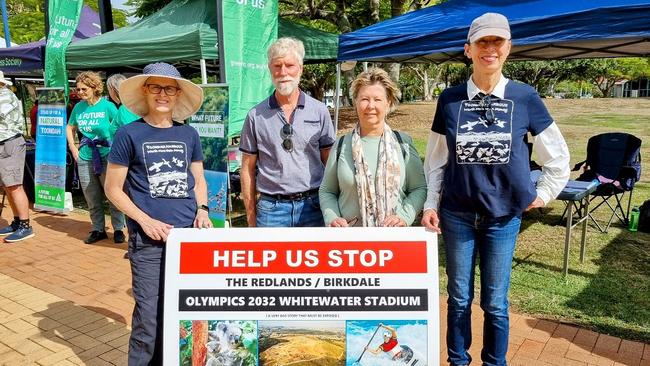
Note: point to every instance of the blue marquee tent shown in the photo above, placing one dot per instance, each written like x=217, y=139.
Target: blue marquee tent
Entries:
x=541, y=29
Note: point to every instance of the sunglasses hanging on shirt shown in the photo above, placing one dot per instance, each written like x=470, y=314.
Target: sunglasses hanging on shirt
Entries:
x=287, y=132
x=488, y=112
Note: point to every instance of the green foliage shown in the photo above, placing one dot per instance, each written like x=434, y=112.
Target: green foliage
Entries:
x=145, y=8
x=185, y=343
x=27, y=19
x=604, y=73
x=316, y=79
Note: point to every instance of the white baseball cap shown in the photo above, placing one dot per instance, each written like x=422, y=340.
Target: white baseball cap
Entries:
x=489, y=24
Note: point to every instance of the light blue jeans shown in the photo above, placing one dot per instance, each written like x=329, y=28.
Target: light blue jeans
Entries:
x=93, y=189
x=493, y=239
x=284, y=213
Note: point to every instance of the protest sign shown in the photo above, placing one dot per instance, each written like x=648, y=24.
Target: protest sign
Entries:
x=271, y=296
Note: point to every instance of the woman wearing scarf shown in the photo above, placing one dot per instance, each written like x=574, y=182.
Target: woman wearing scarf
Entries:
x=376, y=179
x=93, y=117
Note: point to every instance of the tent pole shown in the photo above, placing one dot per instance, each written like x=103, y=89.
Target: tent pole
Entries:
x=5, y=23
x=204, y=72
x=222, y=58
x=337, y=97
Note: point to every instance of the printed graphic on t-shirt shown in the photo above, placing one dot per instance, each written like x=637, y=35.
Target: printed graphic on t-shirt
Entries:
x=88, y=121
x=484, y=137
x=166, y=164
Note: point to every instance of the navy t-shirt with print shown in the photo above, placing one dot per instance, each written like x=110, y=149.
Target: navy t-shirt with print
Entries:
x=159, y=180
x=488, y=170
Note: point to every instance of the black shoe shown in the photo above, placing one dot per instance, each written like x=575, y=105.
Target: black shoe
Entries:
x=96, y=236
x=119, y=237
x=126, y=255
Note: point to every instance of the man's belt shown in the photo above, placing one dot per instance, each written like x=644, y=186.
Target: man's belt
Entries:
x=291, y=197
x=11, y=138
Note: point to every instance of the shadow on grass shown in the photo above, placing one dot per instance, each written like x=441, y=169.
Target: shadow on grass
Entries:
x=609, y=293
x=620, y=290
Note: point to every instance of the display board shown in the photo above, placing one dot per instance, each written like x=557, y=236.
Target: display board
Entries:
x=280, y=296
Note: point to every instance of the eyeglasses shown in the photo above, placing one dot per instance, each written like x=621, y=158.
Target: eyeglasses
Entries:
x=486, y=104
x=81, y=89
x=157, y=89
x=287, y=132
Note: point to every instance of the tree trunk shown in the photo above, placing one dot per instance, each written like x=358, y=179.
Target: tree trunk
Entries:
x=199, y=340
x=393, y=71
x=427, y=89
x=374, y=11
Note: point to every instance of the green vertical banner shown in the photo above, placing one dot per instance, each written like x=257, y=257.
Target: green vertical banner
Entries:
x=249, y=28
x=49, y=178
x=211, y=122
x=64, y=18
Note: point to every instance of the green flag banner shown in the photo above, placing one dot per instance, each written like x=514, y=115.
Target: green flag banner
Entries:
x=64, y=18
x=249, y=28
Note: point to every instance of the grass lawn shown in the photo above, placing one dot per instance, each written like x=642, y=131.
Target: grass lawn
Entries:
x=610, y=291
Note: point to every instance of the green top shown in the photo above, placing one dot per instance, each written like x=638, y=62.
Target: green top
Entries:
x=94, y=121
x=124, y=117
x=338, y=191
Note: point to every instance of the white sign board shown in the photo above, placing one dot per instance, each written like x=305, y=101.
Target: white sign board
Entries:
x=326, y=296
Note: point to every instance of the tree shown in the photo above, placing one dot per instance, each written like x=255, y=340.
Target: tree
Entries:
x=423, y=77
x=27, y=19
x=605, y=73
x=145, y=8
x=543, y=75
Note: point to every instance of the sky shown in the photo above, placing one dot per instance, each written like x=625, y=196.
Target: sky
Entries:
x=119, y=4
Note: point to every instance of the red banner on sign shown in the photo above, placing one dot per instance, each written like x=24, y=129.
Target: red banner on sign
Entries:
x=303, y=257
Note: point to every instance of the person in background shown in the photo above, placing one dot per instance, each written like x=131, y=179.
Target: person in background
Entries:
x=33, y=119
x=155, y=175
x=93, y=117
x=285, y=142
x=477, y=165
x=12, y=164
x=375, y=175
x=124, y=115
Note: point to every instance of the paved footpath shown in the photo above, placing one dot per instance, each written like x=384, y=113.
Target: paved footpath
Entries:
x=63, y=302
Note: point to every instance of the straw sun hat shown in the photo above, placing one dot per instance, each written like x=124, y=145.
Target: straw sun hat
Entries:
x=187, y=103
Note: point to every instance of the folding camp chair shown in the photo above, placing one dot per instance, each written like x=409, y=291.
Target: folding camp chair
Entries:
x=614, y=160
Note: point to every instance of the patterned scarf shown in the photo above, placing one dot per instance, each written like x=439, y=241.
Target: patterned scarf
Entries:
x=378, y=197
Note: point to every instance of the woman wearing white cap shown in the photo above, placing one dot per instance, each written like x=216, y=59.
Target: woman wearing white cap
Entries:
x=161, y=162
x=477, y=166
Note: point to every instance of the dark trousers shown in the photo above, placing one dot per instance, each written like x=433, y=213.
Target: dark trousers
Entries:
x=147, y=269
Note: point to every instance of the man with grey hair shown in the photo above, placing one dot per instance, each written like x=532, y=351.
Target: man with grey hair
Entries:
x=285, y=141
x=12, y=164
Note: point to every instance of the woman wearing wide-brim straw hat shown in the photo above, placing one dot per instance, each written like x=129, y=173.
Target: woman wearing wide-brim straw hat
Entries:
x=160, y=160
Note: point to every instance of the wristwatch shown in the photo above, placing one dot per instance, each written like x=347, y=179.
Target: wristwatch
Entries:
x=203, y=207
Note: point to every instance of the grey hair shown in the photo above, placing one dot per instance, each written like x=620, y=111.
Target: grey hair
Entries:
x=114, y=82
x=283, y=46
